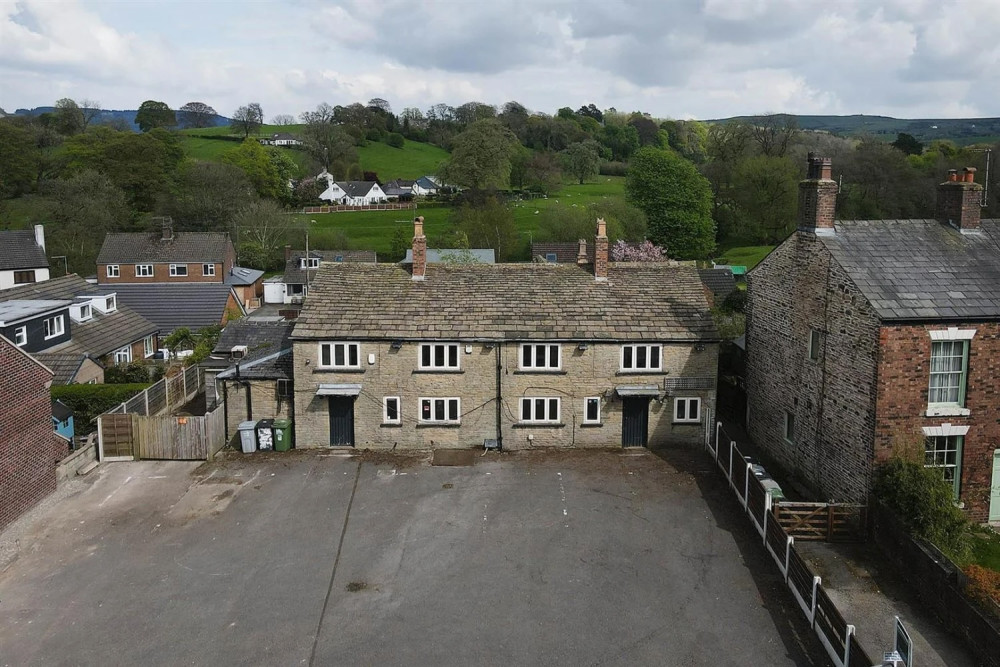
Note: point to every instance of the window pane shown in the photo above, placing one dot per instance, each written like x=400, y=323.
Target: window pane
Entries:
x=694, y=405
x=640, y=356
x=453, y=356
x=338, y=354
x=553, y=409
x=539, y=356
x=352, y=355
x=453, y=409
x=593, y=406
x=391, y=409
x=425, y=355
x=438, y=356
x=654, y=356
x=525, y=409
x=539, y=408
x=526, y=356
x=681, y=410
x=627, y=357
x=554, y=356
x=324, y=355
x=425, y=409
x=439, y=409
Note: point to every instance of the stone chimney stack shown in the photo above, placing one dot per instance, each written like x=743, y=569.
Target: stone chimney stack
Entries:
x=818, y=197
x=581, y=254
x=958, y=200
x=40, y=236
x=419, y=249
x=167, y=228
x=288, y=252
x=601, y=251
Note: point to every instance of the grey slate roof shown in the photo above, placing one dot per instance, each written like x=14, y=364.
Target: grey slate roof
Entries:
x=427, y=183
x=60, y=410
x=720, y=281
x=171, y=306
x=921, y=269
x=18, y=250
x=565, y=251
x=356, y=188
x=274, y=366
x=103, y=333
x=132, y=247
x=295, y=275
x=261, y=338
x=243, y=276
x=639, y=302
x=13, y=311
x=64, y=364
x=456, y=256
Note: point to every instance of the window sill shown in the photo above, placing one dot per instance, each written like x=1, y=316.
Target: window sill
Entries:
x=532, y=371
x=353, y=371
x=947, y=411
x=685, y=423
x=538, y=425
x=390, y=425
x=640, y=372
x=439, y=424
x=438, y=371
x=592, y=425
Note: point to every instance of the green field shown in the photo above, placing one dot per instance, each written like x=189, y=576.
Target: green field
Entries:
x=748, y=256
x=411, y=161
x=527, y=213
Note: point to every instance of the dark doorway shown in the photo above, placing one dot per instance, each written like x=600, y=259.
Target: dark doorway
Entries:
x=341, y=421
x=635, y=421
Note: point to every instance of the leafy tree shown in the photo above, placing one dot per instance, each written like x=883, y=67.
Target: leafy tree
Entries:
x=473, y=112
x=908, y=144
x=205, y=341
x=514, y=117
x=395, y=140
x=591, y=111
x=259, y=168
x=582, y=159
x=206, y=194
x=687, y=137
x=153, y=114
x=676, y=199
x=487, y=224
x=196, y=114
x=620, y=215
x=765, y=190
x=307, y=191
x=647, y=129
x=380, y=104
x=68, y=118
x=481, y=156
x=247, y=119
x=399, y=243
x=181, y=338
x=330, y=145
x=623, y=140
x=18, y=160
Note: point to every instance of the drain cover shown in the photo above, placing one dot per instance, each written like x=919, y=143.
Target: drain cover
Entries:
x=453, y=457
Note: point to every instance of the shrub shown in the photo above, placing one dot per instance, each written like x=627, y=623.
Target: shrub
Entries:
x=736, y=301
x=925, y=504
x=983, y=586
x=612, y=169
x=395, y=140
x=89, y=400
x=373, y=134
x=132, y=373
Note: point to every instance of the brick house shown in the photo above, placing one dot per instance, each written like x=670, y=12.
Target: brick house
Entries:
x=527, y=355
x=29, y=448
x=868, y=335
x=22, y=257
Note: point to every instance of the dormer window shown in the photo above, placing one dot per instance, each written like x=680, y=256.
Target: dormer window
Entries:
x=81, y=312
x=310, y=262
x=111, y=304
x=238, y=351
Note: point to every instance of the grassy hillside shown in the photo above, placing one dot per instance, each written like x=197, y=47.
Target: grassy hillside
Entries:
x=411, y=161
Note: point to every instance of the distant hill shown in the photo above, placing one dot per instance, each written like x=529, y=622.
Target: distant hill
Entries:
x=128, y=115
x=962, y=131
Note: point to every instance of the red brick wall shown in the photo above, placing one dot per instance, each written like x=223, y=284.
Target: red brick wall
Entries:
x=901, y=403
x=161, y=274
x=28, y=447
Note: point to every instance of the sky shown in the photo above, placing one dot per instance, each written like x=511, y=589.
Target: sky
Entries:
x=670, y=58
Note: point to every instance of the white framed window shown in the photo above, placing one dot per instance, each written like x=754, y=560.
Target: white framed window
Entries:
x=208, y=269
x=54, y=326
x=815, y=344
x=944, y=453
x=687, y=410
x=177, y=270
x=949, y=364
x=438, y=357
x=641, y=358
x=148, y=346
x=309, y=263
x=592, y=410
x=541, y=357
x=113, y=271
x=440, y=410
x=340, y=355
x=539, y=410
x=789, y=426
x=124, y=355
x=391, y=414
x=143, y=270
x=21, y=336
x=111, y=304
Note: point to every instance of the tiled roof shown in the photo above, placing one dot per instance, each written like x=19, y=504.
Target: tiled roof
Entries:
x=103, y=333
x=356, y=188
x=274, y=366
x=175, y=305
x=565, y=252
x=640, y=302
x=921, y=269
x=427, y=183
x=18, y=250
x=260, y=338
x=243, y=276
x=184, y=247
x=456, y=255
x=64, y=364
x=295, y=275
x=720, y=281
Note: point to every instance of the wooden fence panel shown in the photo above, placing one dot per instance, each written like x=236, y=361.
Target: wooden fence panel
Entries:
x=756, y=498
x=859, y=656
x=172, y=438
x=215, y=432
x=799, y=575
x=776, y=538
x=116, y=435
x=829, y=620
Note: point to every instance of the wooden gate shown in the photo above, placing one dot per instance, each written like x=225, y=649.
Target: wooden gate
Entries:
x=115, y=437
x=832, y=522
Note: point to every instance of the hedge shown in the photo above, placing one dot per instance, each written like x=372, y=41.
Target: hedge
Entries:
x=89, y=400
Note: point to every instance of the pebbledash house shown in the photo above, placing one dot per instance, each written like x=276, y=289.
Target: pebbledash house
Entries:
x=869, y=336
x=509, y=355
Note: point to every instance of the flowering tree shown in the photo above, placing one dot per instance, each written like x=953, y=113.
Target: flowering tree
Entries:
x=623, y=251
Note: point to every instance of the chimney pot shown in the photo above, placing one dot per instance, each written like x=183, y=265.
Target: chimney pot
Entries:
x=952, y=175
x=601, y=251
x=581, y=254
x=959, y=199
x=419, y=249
x=969, y=174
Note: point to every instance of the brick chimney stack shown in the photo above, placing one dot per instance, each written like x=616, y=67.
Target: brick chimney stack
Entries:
x=419, y=249
x=601, y=251
x=288, y=252
x=167, y=228
x=958, y=200
x=817, y=197
x=581, y=254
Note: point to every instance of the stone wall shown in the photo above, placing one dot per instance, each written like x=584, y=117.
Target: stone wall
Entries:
x=904, y=380
x=264, y=402
x=795, y=290
x=593, y=372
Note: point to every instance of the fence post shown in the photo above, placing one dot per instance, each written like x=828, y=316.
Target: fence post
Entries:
x=145, y=394
x=718, y=427
x=847, y=644
x=767, y=510
x=732, y=446
x=788, y=554
x=812, y=614
x=746, y=486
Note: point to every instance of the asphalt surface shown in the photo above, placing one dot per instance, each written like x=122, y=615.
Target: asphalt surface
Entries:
x=312, y=558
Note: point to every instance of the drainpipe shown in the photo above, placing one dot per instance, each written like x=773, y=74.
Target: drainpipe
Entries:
x=225, y=410
x=499, y=399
